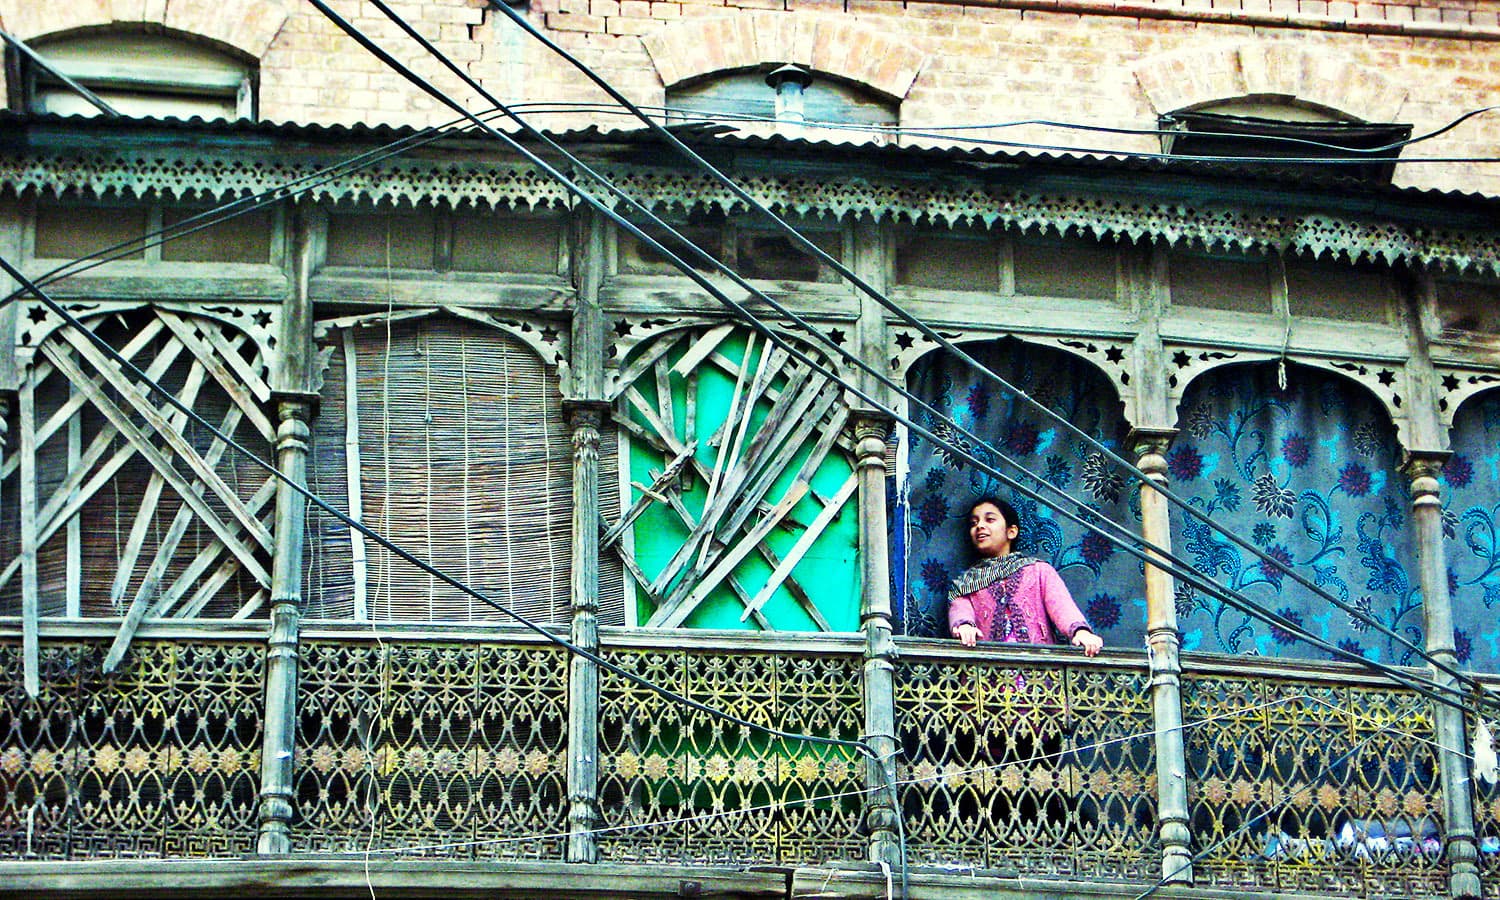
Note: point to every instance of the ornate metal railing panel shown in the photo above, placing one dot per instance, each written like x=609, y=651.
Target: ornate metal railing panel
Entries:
x=1486, y=815
x=679, y=785
x=439, y=748
x=1313, y=787
x=1023, y=762
x=159, y=759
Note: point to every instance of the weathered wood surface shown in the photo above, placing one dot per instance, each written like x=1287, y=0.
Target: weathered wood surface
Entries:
x=355, y=878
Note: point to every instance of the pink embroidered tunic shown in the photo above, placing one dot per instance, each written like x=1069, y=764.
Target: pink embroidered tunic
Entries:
x=1028, y=606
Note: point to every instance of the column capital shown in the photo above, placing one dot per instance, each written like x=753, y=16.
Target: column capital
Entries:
x=870, y=428
x=582, y=412
x=288, y=403
x=1420, y=464
x=1143, y=440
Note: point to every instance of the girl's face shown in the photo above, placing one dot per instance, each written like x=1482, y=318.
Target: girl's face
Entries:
x=989, y=532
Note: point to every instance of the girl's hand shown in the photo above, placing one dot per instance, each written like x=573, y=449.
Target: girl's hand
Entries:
x=1090, y=642
x=968, y=635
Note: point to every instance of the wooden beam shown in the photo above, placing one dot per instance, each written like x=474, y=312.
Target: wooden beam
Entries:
x=671, y=613
x=804, y=543
x=352, y=474
x=173, y=439
x=668, y=475
x=166, y=549
x=145, y=516
x=205, y=559
x=168, y=355
x=175, y=480
x=73, y=565
x=211, y=355
x=30, y=601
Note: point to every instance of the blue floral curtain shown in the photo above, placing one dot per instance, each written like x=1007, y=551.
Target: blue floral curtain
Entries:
x=939, y=486
x=1309, y=475
x=1471, y=506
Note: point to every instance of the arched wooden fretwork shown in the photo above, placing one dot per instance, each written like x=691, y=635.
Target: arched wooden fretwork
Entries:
x=120, y=505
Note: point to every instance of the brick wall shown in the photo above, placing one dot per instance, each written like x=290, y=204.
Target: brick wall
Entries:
x=1115, y=64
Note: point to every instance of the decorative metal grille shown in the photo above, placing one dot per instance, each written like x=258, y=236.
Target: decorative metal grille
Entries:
x=1316, y=788
x=160, y=759
x=1036, y=767
x=678, y=785
x=449, y=749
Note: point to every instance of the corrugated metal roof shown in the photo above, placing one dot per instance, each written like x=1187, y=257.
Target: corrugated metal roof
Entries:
x=1272, y=173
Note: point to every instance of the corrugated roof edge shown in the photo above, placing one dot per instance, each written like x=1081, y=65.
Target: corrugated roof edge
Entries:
x=1273, y=174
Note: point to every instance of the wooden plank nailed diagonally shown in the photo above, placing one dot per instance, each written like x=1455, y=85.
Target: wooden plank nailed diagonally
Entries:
x=176, y=481
x=30, y=601
x=779, y=415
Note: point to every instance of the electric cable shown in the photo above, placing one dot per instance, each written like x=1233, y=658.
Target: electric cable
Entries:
x=40, y=61
x=130, y=368
x=260, y=200
x=927, y=331
x=1338, y=653
x=1185, y=574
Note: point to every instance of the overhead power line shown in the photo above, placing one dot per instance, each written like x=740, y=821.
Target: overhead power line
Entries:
x=1438, y=693
x=812, y=249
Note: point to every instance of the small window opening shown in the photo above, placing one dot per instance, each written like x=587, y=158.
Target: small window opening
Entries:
x=139, y=74
x=1285, y=131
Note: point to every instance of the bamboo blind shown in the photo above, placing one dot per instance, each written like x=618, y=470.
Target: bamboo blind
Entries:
x=463, y=458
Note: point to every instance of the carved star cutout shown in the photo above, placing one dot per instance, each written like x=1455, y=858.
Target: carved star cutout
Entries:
x=837, y=336
x=549, y=334
x=1181, y=359
x=622, y=328
x=37, y=315
x=1450, y=382
x=904, y=340
x=1114, y=354
x=261, y=318
x=1386, y=377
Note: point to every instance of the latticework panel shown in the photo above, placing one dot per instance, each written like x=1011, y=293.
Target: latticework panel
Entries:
x=1042, y=769
x=678, y=785
x=449, y=749
x=160, y=759
x=1316, y=788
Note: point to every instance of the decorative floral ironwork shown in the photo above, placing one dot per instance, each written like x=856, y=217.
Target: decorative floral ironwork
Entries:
x=1041, y=768
x=678, y=785
x=1314, y=788
x=160, y=759
x=448, y=749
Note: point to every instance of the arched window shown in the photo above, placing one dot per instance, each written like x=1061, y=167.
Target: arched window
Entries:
x=784, y=94
x=1278, y=129
x=139, y=74
x=940, y=484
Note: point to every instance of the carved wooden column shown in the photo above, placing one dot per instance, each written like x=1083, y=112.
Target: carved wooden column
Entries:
x=1422, y=468
x=585, y=410
x=295, y=406
x=1164, y=650
x=870, y=430
x=584, y=417
x=277, y=792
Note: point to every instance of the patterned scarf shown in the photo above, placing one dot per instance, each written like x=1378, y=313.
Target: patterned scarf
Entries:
x=986, y=572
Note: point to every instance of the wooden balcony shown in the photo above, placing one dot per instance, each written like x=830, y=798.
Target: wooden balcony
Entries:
x=449, y=745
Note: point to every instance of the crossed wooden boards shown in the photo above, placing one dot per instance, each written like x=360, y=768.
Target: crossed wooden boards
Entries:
x=70, y=374
x=800, y=408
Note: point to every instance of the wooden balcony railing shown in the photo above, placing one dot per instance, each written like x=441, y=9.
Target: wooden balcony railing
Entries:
x=1029, y=761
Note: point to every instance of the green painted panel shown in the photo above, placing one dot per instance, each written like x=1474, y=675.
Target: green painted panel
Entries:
x=828, y=572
